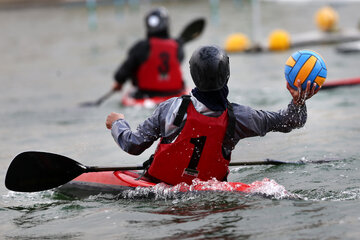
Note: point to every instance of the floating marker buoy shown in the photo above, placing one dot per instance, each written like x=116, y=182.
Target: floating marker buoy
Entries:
x=237, y=42
x=279, y=40
x=326, y=19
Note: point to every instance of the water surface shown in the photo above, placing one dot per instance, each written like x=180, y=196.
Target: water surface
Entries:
x=52, y=59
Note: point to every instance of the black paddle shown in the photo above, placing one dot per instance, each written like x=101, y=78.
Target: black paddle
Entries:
x=38, y=171
x=99, y=101
x=190, y=32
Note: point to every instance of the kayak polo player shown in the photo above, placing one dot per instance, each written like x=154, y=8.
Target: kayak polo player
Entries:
x=153, y=64
x=198, y=132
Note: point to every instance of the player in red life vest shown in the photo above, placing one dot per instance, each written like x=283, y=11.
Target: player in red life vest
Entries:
x=198, y=132
x=153, y=64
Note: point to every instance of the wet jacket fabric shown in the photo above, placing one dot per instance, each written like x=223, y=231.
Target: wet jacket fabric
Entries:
x=249, y=123
x=138, y=55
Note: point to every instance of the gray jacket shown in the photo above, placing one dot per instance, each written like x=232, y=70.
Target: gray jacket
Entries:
x=249, y=123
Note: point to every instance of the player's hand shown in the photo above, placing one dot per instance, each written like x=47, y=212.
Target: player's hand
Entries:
x=300, y=95
x=117, y=86
x=112, y=117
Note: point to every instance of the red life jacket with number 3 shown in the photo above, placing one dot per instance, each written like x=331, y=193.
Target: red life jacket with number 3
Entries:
x=196, y=152
x=161, y=71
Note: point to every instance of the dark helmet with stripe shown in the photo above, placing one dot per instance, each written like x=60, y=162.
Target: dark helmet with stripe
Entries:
x=209, y=68
x=157, y=21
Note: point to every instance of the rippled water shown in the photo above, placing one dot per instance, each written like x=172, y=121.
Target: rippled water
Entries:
x=53, y=58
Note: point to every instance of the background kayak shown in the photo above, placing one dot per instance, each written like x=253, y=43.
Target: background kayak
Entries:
x=149, y=102
x=350, y=47
x=341, y=83
x=52, y=59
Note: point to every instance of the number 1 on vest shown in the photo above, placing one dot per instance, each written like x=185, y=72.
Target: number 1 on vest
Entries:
x=195, y=157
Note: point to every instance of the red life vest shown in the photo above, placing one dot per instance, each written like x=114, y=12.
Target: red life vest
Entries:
x=196, y=152
x=161, y=71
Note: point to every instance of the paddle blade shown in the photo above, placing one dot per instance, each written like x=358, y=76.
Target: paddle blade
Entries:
x=38, y=171
x=193, y=30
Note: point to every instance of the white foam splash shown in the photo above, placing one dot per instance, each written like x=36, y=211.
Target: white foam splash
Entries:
x=266, y=187
x=270, y=188
x=159, y=191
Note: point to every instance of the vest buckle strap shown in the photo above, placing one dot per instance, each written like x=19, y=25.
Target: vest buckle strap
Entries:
x=190, y=172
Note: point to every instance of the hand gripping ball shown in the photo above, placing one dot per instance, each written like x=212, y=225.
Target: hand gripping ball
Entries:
x=305, y=65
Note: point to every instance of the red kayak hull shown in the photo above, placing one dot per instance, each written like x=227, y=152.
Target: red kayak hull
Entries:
x=118, y=181
x=340, y=83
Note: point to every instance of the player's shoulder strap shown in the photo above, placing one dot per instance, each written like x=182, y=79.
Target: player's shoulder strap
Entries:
x=186, y=99
x=230, y=130
x=231, y=121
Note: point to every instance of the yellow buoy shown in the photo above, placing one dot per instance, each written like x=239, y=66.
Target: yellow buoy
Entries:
x=237, y=42
x=279, y=40
x=326, y=19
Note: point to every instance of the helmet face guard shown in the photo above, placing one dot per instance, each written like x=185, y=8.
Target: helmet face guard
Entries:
x=157, y=21
x=209, y=68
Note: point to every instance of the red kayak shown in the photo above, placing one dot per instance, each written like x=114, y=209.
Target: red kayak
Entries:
x=148, y=102
x=34, y=171
x=119, y=181
x=341, y=83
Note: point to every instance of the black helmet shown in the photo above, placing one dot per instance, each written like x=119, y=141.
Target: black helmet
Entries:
x=157, y=21
x=209, y=68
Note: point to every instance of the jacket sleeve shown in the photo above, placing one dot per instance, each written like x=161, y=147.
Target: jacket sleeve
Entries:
x=135, y=142
x=251, y=122
x=136, y=56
